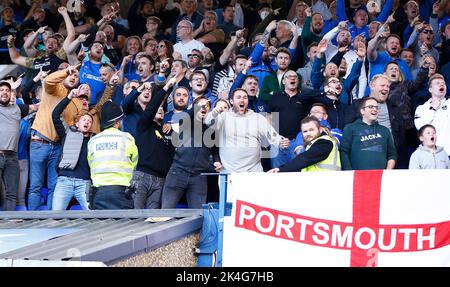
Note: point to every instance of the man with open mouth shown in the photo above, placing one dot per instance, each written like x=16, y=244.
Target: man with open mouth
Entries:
x=74, y=178
x=242, y=133
x=436, y=111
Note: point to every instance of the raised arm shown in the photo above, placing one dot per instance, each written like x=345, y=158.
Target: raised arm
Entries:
x=372, y=46
x=16, y=58
x=230, y=47
x=318, y=152
x=340, y=10
x=58, y=110
x=386, y=11
x=28, y=46
x=55, y=78
x=158, y=97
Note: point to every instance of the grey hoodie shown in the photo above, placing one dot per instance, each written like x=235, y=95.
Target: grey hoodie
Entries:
x=423, y=158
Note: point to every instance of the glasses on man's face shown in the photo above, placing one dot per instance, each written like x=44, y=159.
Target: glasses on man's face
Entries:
x=427, y=31
x=210, y=18
x=194, y=56
x=179, y=27
x=372, y=107
x=198, y=80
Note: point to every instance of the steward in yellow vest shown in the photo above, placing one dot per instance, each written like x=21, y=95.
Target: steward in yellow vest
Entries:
x=321, y=153
x=112, y=157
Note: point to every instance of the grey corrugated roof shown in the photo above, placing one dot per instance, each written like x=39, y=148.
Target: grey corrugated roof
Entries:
x=105, y=235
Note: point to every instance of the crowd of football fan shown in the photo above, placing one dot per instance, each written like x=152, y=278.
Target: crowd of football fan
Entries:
x=123, y=104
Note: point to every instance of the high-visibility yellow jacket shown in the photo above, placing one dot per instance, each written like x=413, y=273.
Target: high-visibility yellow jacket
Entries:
x=332, y=162
x=112, y=157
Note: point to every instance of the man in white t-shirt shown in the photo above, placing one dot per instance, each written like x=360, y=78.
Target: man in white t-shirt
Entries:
x=436, y=111
x=187, y=42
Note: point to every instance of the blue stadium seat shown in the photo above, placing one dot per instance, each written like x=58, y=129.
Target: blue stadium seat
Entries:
x=76, y=207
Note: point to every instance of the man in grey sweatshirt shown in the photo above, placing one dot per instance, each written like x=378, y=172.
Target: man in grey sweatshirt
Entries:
x=242, y=133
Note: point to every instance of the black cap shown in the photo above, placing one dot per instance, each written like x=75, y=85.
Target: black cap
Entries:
x=5, y=83
x=110, y=114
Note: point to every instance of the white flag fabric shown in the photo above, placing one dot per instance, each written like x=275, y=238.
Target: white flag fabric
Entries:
x=347, y=218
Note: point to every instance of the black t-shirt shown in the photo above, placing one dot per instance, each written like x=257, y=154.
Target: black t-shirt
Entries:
x=168, y=17
x=47, y=63
x=5, y=31
x=290, y=112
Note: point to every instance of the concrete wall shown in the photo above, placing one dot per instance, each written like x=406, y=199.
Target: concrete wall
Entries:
x=176, y=254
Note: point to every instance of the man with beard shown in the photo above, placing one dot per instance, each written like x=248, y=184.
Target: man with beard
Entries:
x=178, y=70
x=365, y=143
x=191, y=159
x=321, y=152
x=273, y=82
x=49, y=62
x=45, y=146
x=90, y=71
x=289, y=112
x=180, y=104
x=378, y=60
x=312, y=30
x=10, y=115
x=134, y=105
x=242, y=133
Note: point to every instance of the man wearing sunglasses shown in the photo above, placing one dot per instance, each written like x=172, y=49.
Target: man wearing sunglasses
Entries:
x=422, y=41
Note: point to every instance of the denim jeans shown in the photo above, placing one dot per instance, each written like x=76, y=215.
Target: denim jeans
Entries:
x=281, y=156
x=179, y=182
x=9, y=174
x=111, y=197
x=24, y=165
x=148, y=190
x=43, y=157
x=68, y=187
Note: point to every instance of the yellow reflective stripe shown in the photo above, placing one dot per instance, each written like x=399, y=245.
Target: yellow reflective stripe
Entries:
x=110, y=158
x=331, y=163
x=328, y=166
x=111, y=169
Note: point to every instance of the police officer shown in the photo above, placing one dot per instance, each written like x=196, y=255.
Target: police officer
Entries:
x=112, y=157
x=321, y=152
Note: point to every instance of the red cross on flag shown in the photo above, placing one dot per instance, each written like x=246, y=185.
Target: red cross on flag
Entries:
x=351, y=218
